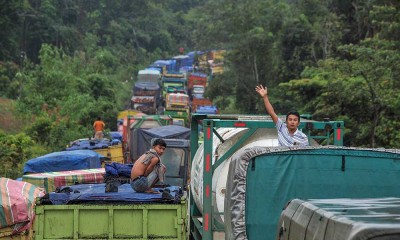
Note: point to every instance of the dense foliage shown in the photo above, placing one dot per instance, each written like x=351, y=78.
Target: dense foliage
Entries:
x=66, y=62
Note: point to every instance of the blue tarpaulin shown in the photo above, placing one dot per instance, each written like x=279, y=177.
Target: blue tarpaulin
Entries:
x=89, y=144
x=64, y=161
x=118, y=169
x=96, y=193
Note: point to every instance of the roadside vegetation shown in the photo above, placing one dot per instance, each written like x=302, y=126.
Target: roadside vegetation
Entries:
x=63, y=63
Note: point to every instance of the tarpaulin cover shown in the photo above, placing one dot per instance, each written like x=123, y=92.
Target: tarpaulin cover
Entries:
x=147, y=86
x=262, y=180
x=174, y=98
x=118, y=169
x=116, y=136
x=52, y=180
x=96, y=193
x=90, y=144
x=64, y=161
x=17, y=202
x=142, y=137
x=207, y=110
x=350, y=219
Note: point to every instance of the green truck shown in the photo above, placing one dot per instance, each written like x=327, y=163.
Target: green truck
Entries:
x=241, y=180
x=173, y=83
x=111, y=221
x=128, y=216
x=225, y=136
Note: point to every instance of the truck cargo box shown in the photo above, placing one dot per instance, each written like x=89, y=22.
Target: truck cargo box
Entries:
x=115, y=215
x=262, y=180
x=329, y=219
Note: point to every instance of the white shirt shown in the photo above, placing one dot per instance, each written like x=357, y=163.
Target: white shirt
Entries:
x=285, y=139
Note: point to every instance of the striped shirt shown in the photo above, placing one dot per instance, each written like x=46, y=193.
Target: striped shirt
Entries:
x=285, y=139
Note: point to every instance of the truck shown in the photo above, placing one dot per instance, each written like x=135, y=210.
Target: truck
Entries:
x=88, y=212
x=224, y=136
x=177, y=106
x=197, y=78
x=216, y=60
x=199, y=102
x=241, y=179
x=173, y=82
x=196, y=82
x=146, y=92
x=139, y=121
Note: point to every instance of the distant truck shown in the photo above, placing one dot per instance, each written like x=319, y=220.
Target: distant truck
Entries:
x=200, y=102
x=197, y=78
x=146, y=92
x=197, y=91
x=177, y=106
x=173, y=82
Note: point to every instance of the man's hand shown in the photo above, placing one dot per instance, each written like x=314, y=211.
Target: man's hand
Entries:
x=261, y=90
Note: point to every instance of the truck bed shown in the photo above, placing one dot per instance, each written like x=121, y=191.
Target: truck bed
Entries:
x=94, y=214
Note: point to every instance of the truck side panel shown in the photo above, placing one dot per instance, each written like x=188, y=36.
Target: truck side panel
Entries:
x=129, y=221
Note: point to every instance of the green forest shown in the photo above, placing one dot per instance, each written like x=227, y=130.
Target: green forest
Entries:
x=65, y=62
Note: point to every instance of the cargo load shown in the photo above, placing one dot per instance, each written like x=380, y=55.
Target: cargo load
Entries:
x=64, y=161
x=200, y=102
x=146, y=97
x=261, y=180
x=50, y=181
x=177, y=106
x=17, y=207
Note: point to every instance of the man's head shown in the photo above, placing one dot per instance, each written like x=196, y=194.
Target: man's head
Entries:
x=292, y=120
x=159, y=146
x=98, y=118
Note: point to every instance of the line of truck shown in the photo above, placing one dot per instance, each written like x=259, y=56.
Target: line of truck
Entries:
x=239, y=182
x=175, y=86
x=235, y=183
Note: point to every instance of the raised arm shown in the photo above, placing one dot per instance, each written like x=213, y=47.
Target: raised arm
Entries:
x=264, y=94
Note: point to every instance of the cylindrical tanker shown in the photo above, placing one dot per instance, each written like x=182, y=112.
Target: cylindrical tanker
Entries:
x=262, y=137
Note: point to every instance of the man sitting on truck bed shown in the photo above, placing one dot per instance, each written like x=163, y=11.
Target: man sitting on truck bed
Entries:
x=148, y=169
x=288, y=134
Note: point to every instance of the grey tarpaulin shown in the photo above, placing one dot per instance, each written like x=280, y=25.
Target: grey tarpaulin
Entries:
x=315, y=163
x=351, y=219
x=141, y=138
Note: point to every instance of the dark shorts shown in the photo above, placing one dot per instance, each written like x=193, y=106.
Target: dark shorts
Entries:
x=140, y=184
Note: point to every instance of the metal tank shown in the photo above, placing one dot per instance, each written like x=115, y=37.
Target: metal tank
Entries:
x=262, y=137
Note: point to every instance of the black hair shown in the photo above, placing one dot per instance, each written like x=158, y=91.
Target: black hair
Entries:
x=160, y=141
x=293, y=113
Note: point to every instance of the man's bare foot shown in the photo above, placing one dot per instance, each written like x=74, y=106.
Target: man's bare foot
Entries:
x=152, y=191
